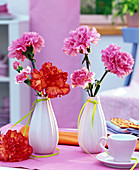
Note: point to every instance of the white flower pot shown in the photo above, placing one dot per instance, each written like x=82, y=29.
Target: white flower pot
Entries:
x=43, y=133
x=88, y=139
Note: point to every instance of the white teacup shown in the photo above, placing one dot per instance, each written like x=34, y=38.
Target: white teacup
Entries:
x=121, y=146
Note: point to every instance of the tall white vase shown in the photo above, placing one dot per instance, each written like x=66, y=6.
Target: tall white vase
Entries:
x=88, y=139
x=43, y=132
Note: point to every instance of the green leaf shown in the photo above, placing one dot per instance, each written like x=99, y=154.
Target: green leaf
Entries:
x=28, y=82
x=19, y=68
x=122, y=7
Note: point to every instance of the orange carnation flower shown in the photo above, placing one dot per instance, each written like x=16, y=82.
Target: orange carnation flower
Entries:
x=14, y=147
x=38, y=82
x=51, y=80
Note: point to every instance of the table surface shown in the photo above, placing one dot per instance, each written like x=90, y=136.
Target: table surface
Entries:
x=70, y=158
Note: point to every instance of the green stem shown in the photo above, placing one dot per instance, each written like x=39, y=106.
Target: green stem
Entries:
x=103, y=76
x=99, y=82
x=90, y=88
x=33, y=64
x=88, y=92
x=87, y=61
x=87, y=65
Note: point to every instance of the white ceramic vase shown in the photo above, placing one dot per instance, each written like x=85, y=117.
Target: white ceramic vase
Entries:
x=88, y=139
x=43, y=132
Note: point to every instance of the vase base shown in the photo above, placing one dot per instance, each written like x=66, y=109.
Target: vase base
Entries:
x=43, y=152
x=38, y=153
x=99, y=150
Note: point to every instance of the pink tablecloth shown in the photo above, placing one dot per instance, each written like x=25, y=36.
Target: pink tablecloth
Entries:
x=70, y=158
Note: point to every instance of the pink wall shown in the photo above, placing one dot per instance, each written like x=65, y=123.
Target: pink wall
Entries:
x=53, y=20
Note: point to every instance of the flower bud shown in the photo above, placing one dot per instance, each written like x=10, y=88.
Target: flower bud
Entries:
x=17, y=66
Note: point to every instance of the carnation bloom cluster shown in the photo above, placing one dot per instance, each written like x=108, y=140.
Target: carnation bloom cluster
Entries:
x=82, y=77
x=14, y=147
x=118, y=62
x=19, y=46
x=49, y=81
x=79, y=40
x=115, y=61
x=23, y=75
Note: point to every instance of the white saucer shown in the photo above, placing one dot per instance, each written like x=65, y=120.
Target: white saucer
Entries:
x=109, y=161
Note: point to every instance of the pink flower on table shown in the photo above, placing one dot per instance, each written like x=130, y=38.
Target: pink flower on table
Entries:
x=26, y=40
x=81, y=78
x=22, y=76
x=16, y=64
x=79, y=40
x=116, y=61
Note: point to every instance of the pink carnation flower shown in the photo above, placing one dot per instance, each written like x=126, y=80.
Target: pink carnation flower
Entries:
x=116, y=61
x=16, y=64
x=81, y=78
x=22, y=76
x=26, y=40
x=79, y=40
x=69, y=45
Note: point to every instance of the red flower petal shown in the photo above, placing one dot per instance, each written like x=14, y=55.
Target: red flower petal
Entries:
x=36, y=74
x=66, y=89
x=14, y=147
x=53, y=91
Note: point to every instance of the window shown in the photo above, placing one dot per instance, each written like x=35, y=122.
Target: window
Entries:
x=96, y=7
x=95, y=11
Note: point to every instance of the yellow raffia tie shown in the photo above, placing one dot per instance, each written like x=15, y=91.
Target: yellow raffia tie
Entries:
x=29, y=114
x=94, y=109
x=134, y=166
x=47, y=156
x=79, y=117
x=133, y=159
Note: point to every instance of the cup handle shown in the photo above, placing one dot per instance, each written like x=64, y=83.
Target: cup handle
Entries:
x=100, y=143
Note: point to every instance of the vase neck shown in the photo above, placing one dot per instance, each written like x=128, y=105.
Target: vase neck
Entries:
x=97, y=98
x=42, y=100
x=42, y=97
